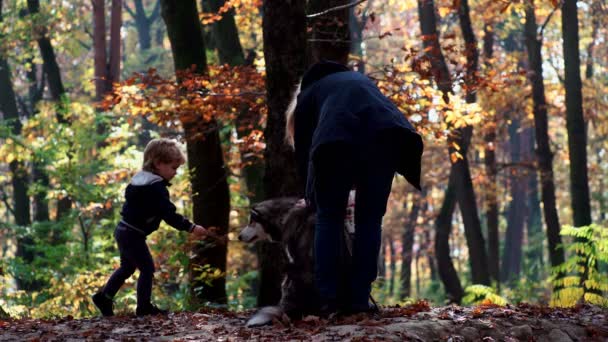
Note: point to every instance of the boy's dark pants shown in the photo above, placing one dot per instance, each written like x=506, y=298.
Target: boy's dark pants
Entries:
x=337, y=168
x=134, y=254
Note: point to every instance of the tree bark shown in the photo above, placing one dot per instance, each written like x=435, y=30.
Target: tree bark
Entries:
x=533, y=211
x=329, y=33
x=575, y=122
x=226, y=36
x=143, y=22
x=107, y=68
x=53, y=73
x=284, y=30
x=490, y=165
x=391, y=265
x=443, y=228
x=211, y=200
x=407, y=243
x=541, y=125
x=511, y=262
x=466, y=193
x=19, y=180
x=443, y=225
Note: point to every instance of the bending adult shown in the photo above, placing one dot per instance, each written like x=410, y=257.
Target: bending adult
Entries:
x=347, y=135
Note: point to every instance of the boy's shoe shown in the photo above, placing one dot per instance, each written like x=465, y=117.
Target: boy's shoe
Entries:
x=150, y=309
x=103, y=303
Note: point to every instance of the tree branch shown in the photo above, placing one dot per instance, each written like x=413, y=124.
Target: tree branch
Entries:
x=542, y=28
x=333, y=9
x=155, y=12
x=129, y=10
x=5, y=200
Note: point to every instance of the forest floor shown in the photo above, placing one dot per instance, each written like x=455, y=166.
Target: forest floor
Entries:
x=417, y=322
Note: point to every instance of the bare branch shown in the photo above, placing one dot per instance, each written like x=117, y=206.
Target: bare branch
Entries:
x=542, y=28
x=129, y=10
x=333, y=9
x=155, y=12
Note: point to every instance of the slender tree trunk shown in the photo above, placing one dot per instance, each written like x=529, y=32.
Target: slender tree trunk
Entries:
x=490, y=165
x=226, y=35
x=21, y=203
x=541, y=125
x=511, y=262
x=391, y=265
x=284, y=30
x=211, y=200
x=533, y=211
x=99, y=45
x=52, y=71
x=407, y=244
x=115, y=43
x=382, y=264
x=443, y=225
x=466, y=193
x=356, y=25
x=595, y=25
x=143, y=22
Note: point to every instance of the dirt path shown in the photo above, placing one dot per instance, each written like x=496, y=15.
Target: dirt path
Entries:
x=411, y=323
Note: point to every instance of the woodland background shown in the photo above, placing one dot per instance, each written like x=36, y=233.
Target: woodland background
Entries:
x=510, y=97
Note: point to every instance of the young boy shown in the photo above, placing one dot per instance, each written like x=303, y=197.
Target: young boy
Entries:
x=147, y=202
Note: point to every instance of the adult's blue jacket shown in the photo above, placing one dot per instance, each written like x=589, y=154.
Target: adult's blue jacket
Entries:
x=337, y=105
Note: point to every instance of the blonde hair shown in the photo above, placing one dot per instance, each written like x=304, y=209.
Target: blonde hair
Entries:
x=162, y=150
x=290, y=117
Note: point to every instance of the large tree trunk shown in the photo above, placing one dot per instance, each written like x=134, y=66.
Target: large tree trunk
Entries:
x=284, y=27
x=541, y=126
x=575, y=122
x=464, y=189
x=211, y=200
x=490, y=165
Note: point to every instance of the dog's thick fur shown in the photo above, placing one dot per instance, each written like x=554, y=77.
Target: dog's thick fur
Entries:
x=284, y=222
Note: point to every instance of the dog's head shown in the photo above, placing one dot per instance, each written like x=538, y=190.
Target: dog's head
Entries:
x=266, y=220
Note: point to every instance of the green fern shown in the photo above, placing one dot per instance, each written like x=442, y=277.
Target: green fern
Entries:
x=589, y=253
x=478, y=294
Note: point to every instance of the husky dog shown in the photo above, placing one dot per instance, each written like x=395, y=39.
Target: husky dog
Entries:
x=282, y=220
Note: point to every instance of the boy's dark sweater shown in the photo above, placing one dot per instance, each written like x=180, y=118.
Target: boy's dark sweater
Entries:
x=147, y=202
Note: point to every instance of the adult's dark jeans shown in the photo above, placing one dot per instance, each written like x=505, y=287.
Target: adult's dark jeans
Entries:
x=134, y=254
x=337, y=169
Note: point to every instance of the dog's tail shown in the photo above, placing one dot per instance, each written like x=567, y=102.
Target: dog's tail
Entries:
x=268, y=315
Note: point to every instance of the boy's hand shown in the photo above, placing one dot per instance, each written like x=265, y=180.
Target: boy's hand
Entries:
x=199, y=230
